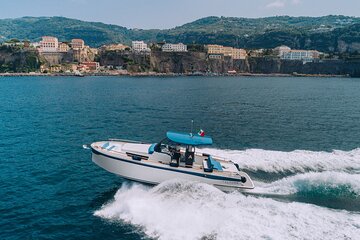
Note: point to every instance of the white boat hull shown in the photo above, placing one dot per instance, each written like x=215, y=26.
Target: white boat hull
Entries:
x=145, y=172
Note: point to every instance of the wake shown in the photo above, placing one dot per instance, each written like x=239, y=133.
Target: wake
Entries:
x=186, y=210
x=325, y=184
x=298, y=161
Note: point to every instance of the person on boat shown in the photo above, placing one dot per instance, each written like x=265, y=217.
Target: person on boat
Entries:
x=189, y=156
x=175, y=158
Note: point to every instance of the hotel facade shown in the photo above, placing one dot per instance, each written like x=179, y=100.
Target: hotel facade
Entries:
x=140, y=46
x=169, y=47
x=49, y=44
x=77, y=43
x=287, y=53
x=234, y=53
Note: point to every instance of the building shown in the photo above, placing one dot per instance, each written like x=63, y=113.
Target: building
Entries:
x=77, y=44
x=234, y=53
x=140, y=46
x=279, y=51
x=287, y=53
x=55, y=68
x=115, y=47
x=92, y=66
x=13, y=43
x=35, y=44
x=94, y=51
x=169, y=47
x=216, y=56
x=256, y=52
x=63, y=47
x=239, y=53
x=49, y=44
x=26, y=44
x=303, y=55
x=215, y=49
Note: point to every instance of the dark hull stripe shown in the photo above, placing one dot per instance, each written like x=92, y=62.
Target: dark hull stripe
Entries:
x=169, y=169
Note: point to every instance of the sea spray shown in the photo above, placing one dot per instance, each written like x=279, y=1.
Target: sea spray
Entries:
x=293, y=162
x=186, y=210
x=326, y=183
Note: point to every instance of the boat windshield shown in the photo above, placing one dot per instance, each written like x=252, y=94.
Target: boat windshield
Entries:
x=165, y=146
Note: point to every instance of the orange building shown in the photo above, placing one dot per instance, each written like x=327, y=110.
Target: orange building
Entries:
x=234, y=53
x=63, y=47
x=77, y=43
x=92, y=66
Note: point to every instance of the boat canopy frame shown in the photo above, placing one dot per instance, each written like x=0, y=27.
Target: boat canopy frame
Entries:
x=176, y=138
x=188, y=139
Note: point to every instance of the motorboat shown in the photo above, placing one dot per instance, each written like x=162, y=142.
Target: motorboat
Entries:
x=178, y=156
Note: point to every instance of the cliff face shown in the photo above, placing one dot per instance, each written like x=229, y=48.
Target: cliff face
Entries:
x=326, y=67
x=13, y=59
x=192, y=62
x=126, y=59
x=198, y=62
x=83, y=55
x=187, y=62
x=56, y=58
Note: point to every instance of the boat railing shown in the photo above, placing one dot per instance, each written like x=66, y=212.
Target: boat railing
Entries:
x=214, y=156
x=125, y=140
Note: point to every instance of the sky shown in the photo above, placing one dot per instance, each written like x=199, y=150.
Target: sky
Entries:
x=164, y=14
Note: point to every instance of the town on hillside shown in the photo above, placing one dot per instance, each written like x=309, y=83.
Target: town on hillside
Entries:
x=75, y=57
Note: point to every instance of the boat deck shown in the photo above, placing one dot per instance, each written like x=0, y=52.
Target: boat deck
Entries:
x=127, y=151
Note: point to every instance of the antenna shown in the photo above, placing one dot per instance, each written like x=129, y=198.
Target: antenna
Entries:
x=192, y=125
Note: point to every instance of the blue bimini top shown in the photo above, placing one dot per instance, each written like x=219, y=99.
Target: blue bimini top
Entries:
x=188, y=139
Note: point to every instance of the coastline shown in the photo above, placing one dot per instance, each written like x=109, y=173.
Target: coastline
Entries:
x=150, y=74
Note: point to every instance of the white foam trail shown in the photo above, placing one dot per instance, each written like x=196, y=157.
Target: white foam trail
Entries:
x=330, y=183
x=295, y=161
x=183, y=210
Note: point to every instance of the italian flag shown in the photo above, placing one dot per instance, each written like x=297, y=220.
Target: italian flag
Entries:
x=201, y=133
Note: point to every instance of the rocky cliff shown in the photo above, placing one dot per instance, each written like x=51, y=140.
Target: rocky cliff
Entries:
x=193, y=62
x=125, y=59
x=13, y=59
x=325, y=67
x=188, y=62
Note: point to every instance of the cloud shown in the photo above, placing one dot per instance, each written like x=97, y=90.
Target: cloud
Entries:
x=276, y=4
x=282, y=3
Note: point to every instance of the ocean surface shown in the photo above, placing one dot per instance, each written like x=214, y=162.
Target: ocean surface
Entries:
x=298, y=138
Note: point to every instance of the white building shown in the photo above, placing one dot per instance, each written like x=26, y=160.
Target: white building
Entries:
x=281, y=50
x=304, y=55
x=287, y=53
x=168, y=47
x=140, y=46
x=35, y=44
x=216, y=56
x=49, y=44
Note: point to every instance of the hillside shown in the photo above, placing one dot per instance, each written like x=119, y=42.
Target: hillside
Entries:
x=64, y=28
x=328, y=34
x=321, y=33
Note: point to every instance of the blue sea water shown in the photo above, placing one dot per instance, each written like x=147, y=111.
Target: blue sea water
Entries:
x=299, y=139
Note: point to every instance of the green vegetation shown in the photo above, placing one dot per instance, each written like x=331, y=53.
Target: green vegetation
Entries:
x=320, y=33
x=33, y=28
x=15, y=59
x=196, y=48
x=327, y=34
